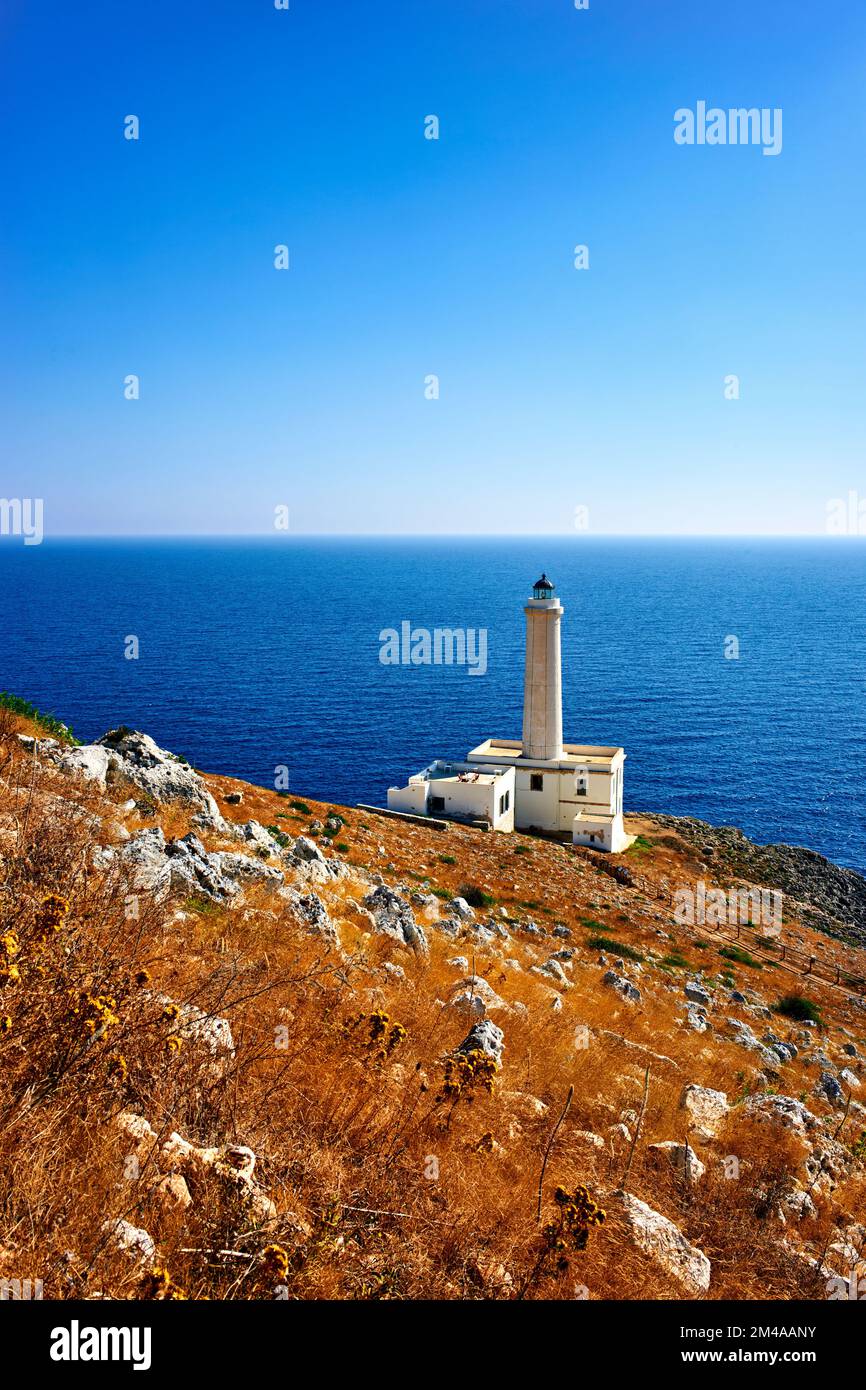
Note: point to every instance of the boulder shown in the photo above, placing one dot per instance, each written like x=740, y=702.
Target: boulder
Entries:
x=194, y=871
x=783, y=1110
x=145, y=856
x=696, y=1019
x=827, y=1088
x=461, y=909
x=484, y=1037
x=552, y=970
x=313, y=915
x=172, y=1193
x=131, y=1240
x=706, y=1110
x=307, y=849
x=474, y=996
x=156, y=772
x=659, y=1238
x=394, y=917
x=696, y=994
x=682, y=1157
x=195, y=1026
x=246, y=868
x=622, y=986
x=90, y=762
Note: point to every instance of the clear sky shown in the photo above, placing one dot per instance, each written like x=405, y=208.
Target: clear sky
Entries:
x=559, y=388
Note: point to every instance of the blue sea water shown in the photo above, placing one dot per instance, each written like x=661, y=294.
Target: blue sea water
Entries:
x=255, y=654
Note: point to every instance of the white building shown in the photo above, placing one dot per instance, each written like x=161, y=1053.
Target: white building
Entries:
x=459, y=791
x=539, y=783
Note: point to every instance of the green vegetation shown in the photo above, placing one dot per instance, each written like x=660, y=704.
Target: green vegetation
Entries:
x=476, y=897
x=446, y=858
x=798, y=1007
x=301, y=807
x=48, y=722
x=343, y=847
x=279, y=835
x=742, y=957
x=594, y=925
x=521, y=849
x=640, y=846
x=203, y=907
x=617, y=948
x=444, y=893
x=676, y=960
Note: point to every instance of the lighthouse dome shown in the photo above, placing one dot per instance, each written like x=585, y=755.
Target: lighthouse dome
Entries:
x=543, y=588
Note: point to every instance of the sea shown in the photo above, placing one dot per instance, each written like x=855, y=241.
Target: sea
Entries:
x=731, y=670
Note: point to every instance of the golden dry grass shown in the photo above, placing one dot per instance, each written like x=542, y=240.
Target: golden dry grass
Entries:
x=383, y=1187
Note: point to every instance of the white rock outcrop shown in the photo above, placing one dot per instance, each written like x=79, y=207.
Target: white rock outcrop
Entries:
x=659, y=1238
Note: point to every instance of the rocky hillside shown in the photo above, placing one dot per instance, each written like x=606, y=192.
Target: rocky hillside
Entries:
x=834, y=898
x=256, y=1047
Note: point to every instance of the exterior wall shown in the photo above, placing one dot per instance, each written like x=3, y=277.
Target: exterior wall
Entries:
x=556, y=805
x=607, y=834
x=467, y=800
x=412, y=798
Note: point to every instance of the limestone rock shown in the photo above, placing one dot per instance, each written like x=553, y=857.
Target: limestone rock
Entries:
x=622, y=986
x=131, y=1240
x=89, y=762
x=663, y=1241
x=706, y=1110
x=145, y=856
x=393, y=915
x=156, y=772
x=828, y=1088
x=484, y=1037
x=208, y=1030
x=195, y=872
x=475, y=996
x=247, y=869
x=682, y=1157
x=313, y=915
x=553, y=971
x=696, y=994
x=306, y=848
x=461, y=909
x=784, y=1110
x=172, y=1193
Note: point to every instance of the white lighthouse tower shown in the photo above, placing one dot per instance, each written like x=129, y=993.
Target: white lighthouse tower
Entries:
x=542, y=684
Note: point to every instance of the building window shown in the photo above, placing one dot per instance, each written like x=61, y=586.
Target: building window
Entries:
x=581, y=784
x=536, y=781
x=437, y=803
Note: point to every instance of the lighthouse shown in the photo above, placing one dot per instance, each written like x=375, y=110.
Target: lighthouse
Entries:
x=542, y=681
x=572, y=791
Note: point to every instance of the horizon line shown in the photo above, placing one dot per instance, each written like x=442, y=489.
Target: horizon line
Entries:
x=396, y=537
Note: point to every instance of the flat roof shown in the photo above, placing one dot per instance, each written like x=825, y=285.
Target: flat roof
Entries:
x=583, y=754
x=455, y=771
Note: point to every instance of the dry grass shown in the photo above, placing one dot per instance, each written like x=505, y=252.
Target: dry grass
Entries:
x=383, y=1186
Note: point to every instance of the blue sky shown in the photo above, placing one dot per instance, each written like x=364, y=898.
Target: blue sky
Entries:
x=558, y=388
